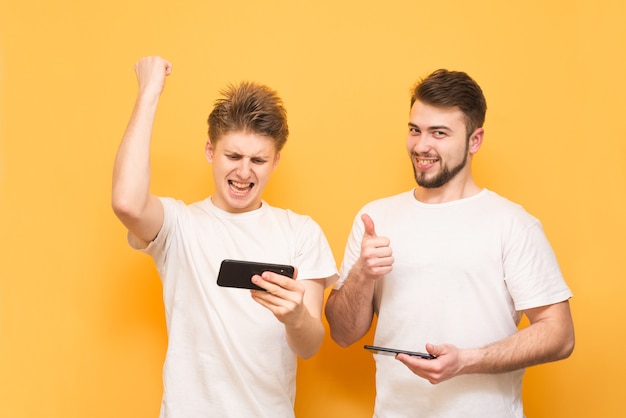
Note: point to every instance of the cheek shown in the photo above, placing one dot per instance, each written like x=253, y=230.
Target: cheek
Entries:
x=410, y=143
x=264, y=174
x=221, y=168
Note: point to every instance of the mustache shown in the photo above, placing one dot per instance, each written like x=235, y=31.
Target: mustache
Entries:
x=423, y=155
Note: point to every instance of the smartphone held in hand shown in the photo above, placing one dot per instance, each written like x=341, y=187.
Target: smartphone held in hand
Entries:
x=393, y=351
x=238, y=273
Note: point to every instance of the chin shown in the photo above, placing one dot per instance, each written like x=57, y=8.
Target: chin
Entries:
x=244, y=206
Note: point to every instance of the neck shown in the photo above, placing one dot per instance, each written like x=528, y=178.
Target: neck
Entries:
x=448, y=192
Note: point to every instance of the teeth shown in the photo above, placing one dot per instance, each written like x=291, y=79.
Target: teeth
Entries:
x=240, y=188
x=422, y=161
x=240, y=185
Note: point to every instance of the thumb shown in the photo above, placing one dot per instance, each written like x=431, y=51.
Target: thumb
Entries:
x=368, y=223
x=434, y=349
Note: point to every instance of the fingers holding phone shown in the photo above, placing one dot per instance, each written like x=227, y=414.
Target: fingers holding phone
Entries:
x=273, y=281
x=447, y=366
x=271, y=285
x=281, y=295
x=239, y=273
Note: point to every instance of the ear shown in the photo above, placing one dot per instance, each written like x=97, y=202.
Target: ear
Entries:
x=208, y=150
x=476, y=140
x=276, y=160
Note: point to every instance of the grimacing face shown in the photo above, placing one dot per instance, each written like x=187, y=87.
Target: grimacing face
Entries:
x=242, y=166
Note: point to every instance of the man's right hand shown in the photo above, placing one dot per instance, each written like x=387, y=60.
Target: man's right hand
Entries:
x=151, y=73
x=349, y=310
x=376, y=257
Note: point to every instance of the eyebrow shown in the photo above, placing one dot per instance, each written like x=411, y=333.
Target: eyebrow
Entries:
x=431, y=128
x=233, y=152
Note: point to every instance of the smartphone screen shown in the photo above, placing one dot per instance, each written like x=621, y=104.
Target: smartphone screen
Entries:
x=237, y=273
x=393, y=351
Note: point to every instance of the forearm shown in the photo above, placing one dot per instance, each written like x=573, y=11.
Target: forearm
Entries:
x=548, y=339
x=297, y=304
x=349, y=310
x=131, y=172
x=305, y=337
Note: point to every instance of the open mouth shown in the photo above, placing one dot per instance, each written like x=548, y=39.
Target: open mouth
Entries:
x=240, y=188
x=425, y=162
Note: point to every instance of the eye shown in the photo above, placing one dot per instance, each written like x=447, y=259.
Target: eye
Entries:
x=233, y=157
x=439, y=134
x=258, y=161
x=413, y=131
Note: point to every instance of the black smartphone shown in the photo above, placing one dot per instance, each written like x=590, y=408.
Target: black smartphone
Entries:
x=237, y=273
x=393, y=351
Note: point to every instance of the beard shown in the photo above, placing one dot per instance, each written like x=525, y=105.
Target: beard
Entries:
x=442, y=177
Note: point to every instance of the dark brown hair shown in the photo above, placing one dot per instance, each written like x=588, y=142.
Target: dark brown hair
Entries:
x=445, y=88
x=251, y=108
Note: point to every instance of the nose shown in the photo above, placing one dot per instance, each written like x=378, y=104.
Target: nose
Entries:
x=421, y=144
x=244, y=168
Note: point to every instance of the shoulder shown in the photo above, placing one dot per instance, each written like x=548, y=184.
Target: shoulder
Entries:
x=175, y=204
x=180, y=207
x=178, y=212
x=494, y=203
x=288, y=217
x=394, y=201
x=511, y=219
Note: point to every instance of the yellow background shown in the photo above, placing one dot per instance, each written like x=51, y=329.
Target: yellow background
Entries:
x=82, y=331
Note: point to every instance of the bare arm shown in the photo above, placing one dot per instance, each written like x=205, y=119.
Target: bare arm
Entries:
x=139, y=211
x=549, y=337
x=305, y=335
x=350, y=309
x=298, y=305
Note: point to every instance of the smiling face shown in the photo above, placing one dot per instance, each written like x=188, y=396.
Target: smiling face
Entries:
x=439, y=146
x=242, y=165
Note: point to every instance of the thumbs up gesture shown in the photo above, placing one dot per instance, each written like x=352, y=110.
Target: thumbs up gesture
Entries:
x=376, y=257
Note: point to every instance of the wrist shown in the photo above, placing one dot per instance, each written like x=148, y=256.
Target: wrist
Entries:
x=470, y=360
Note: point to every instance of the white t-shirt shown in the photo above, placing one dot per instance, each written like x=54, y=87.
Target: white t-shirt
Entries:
x=463, y=271
x=227, y=355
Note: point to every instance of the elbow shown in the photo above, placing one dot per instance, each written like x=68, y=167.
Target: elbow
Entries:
x=315, y=345
x=305, y=349
x=122, y=211
x=308, y=354
x=344, y=338
x=568, y=347
x=339, y=337
x=565, y=346
x=124, y=208
x=341, y=340
x=119, y=208
x=341, y=332
x=569, y=341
